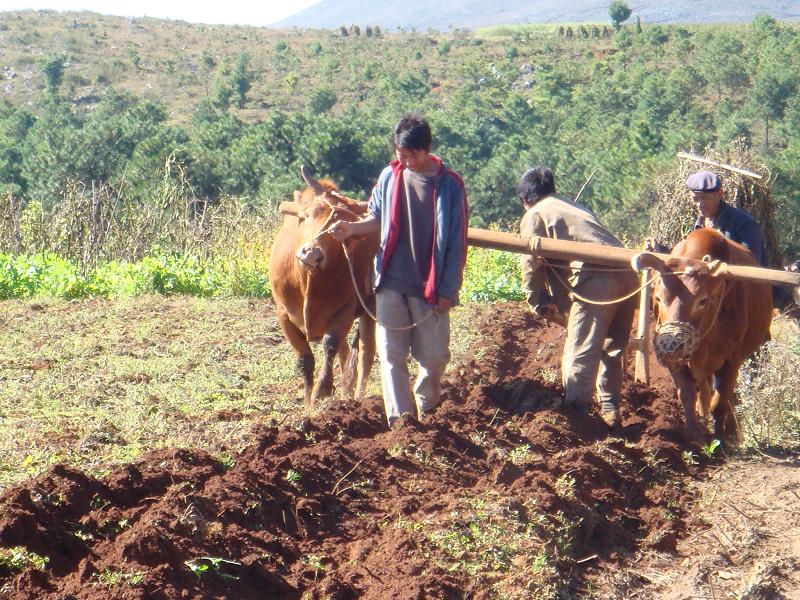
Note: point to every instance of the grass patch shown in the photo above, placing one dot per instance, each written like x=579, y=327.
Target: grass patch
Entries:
x=503, y=548
x=769, y=391
x=98, y=382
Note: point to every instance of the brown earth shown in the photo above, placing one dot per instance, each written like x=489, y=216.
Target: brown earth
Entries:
x=496, y=493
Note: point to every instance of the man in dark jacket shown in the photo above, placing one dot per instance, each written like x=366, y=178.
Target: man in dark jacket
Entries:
x=705, y=189
x=735, y=224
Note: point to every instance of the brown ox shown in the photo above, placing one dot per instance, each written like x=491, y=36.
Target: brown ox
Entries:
x=313, y=287
x=707, y=325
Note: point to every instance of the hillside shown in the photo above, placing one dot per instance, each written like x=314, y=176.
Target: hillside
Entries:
x=237, y=110
x=443, y=15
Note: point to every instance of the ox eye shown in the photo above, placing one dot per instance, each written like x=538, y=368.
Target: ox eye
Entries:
x=703, y=303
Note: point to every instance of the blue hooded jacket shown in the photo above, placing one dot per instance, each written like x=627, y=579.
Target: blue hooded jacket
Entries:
x=450, y=228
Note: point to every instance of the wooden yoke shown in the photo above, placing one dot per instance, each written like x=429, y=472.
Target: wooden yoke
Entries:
x=599, y=254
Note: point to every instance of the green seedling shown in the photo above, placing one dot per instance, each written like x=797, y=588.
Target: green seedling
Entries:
x=709, y=449
x=20, y=558
x=204, y=564
x=293, y=476
x=520, y=455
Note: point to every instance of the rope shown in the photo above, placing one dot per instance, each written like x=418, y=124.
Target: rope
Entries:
x=364, y=305
x=578, y=296
x=361, y=300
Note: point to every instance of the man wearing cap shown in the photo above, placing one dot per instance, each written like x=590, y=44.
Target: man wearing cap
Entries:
x=735, y=224
x=598, y=330
x=705, y=189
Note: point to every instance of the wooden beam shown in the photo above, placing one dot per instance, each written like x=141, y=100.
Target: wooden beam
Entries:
x=641, y=369
x=596, y=254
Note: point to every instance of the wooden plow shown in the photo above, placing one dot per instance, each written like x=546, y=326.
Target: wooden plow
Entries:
x=598, y=254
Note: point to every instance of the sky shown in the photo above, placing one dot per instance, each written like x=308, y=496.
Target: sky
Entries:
x=259, y=13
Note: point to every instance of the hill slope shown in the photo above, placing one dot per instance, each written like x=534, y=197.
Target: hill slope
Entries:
x=443, y=14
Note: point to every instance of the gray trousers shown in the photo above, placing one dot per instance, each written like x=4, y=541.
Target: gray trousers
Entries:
x=596, y=339
x=428, y=343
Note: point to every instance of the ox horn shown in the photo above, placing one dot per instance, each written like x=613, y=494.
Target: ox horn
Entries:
x=315, y=185
x=716, y=266
x=647, y=260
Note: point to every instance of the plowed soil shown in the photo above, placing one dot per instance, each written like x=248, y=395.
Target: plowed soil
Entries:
x=498, y=492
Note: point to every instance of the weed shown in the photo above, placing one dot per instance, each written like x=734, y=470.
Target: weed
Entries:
x=293, y=477
x=396, y=451
x=489, y=541
x=19, y=558
x=709, y=448
x=111, y=578
x=548, y=375
x=209, y=564
x=315, y=562
x=769, y=413
x=688, y=457
x=491, y=275
x=564, y=535
x=520, y=455
x=226, y=461
x=565, y=486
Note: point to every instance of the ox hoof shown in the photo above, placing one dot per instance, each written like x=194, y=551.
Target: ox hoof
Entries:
x=322, y=391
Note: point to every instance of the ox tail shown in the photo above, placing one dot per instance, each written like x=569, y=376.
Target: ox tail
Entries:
x=349, y=375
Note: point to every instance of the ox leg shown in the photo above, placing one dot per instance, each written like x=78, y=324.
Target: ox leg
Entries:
x=347, y=364
x=366, y=354
x=324, y=386
x=687, y=394
x=305, y=358
x=334, y=343
x=726, y=426
x=706, y=400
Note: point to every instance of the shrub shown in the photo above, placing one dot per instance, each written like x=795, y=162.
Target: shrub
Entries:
x=491, y=276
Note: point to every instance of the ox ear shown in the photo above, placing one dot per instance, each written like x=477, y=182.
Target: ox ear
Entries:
x=298, y=200
x=647, y=260
x=349, y=202
x=311, y=182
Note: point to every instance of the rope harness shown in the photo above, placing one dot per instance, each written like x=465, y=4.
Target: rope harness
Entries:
x=327, y=229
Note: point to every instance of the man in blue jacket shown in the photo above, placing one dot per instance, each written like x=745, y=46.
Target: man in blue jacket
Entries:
x=420, y=208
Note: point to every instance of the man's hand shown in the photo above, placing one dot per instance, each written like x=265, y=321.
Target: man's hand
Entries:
x=443, y=305
x=341, y=230
x=550, y=313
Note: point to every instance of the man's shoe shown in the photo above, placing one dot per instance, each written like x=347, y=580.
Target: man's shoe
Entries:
x=610, y=417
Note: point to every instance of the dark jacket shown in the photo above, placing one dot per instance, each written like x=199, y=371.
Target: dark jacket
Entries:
x=735, y=224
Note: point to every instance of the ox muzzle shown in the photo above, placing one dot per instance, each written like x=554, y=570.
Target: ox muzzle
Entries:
x=310, y=256
x=675, y=342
